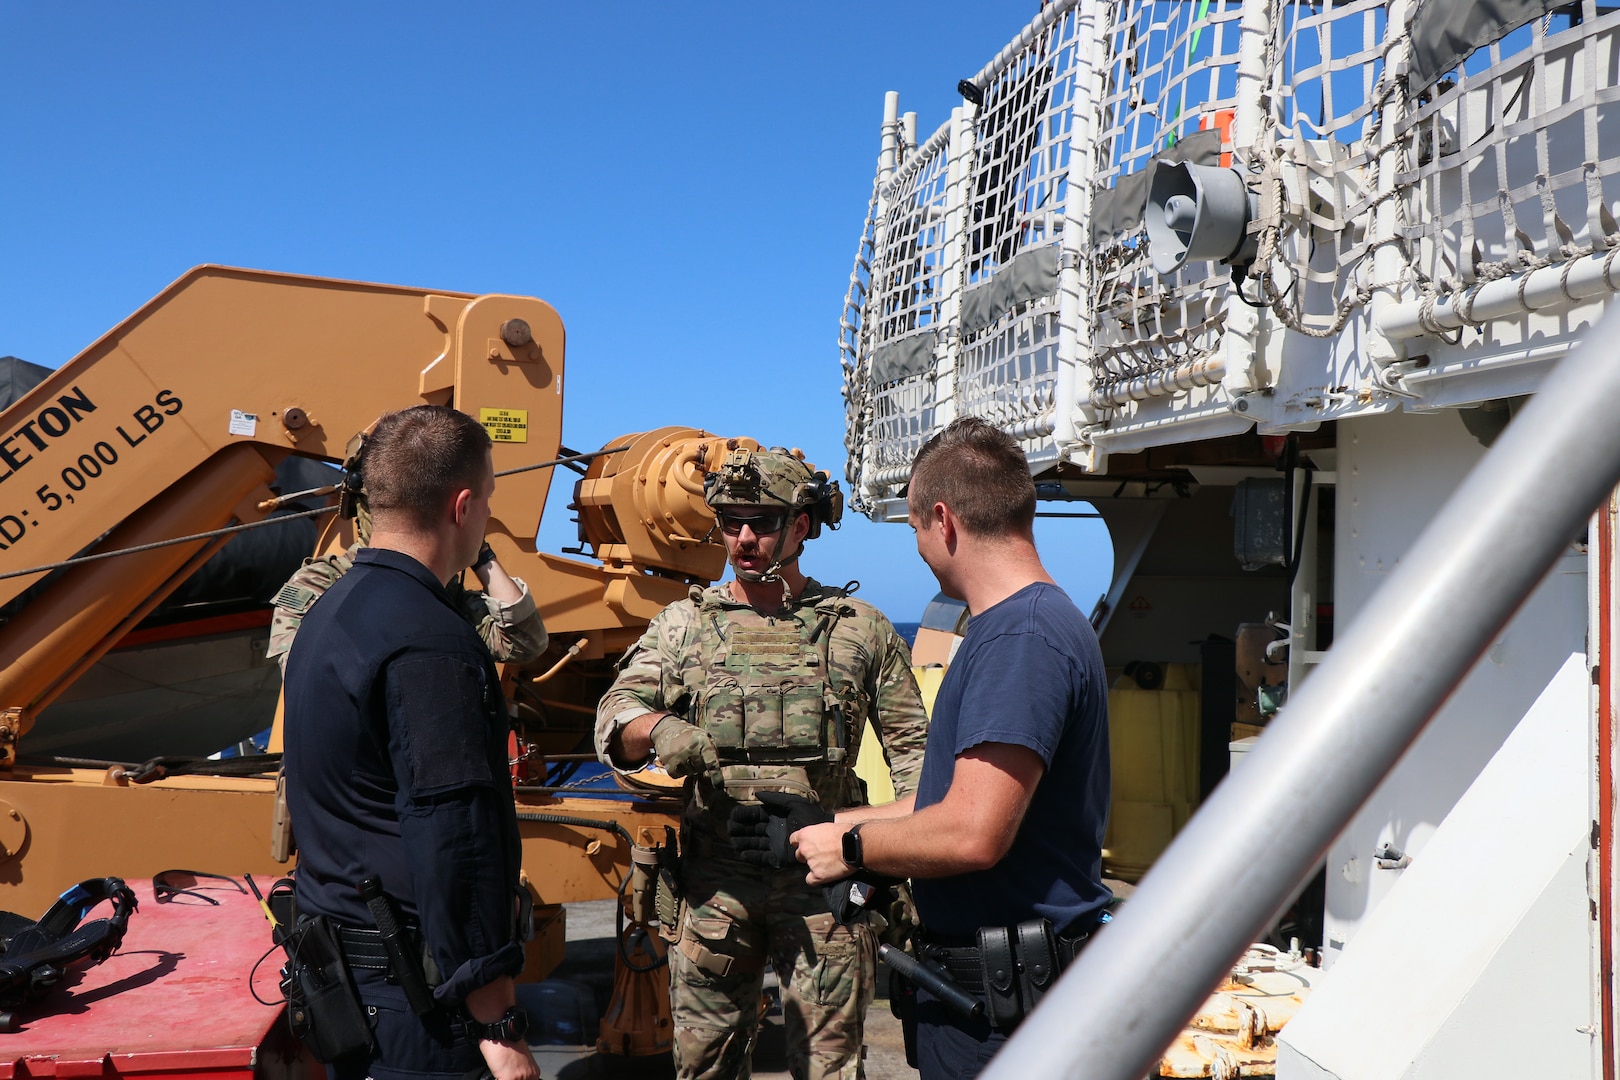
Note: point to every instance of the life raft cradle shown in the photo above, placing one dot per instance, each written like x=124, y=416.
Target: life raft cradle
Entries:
x=35, y=955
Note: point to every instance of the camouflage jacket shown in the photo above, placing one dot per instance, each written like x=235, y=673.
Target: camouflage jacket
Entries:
x=513, y=632
x=673, y=665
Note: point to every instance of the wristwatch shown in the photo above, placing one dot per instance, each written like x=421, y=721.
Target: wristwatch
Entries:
x=485, y=554
x=852, y=847
x=511, y=1027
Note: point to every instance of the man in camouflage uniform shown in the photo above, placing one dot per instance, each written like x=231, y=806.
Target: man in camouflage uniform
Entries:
x=503, y=613
x=764, y=683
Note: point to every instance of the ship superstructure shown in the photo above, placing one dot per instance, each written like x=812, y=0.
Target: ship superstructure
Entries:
x=1268, y=419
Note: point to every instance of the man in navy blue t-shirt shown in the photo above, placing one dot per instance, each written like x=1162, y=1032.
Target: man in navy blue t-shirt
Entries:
x=1007, y=823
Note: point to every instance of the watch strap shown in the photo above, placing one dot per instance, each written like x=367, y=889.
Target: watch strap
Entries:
x=513, y=1026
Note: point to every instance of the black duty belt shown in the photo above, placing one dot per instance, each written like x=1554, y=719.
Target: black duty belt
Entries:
x=365, y=948
x=959, y=955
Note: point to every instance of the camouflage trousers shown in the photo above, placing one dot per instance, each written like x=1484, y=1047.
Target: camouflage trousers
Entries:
x=737, y=917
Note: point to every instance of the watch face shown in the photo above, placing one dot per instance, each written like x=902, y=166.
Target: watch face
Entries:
x=516, y=1022
x=852, y=848
x=513, y=1026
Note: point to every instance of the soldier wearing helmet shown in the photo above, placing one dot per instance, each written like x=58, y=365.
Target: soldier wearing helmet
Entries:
x=758, y=690
x=502, y=611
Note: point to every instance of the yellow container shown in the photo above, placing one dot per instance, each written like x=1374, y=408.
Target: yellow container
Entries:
x=869, y=763
x=1153, y=738
x=928, y=680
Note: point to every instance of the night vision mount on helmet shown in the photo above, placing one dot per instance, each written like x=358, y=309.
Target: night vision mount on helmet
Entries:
x=775, y=477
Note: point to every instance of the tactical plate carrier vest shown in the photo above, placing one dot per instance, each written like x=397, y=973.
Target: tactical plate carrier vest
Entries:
x=781, y=717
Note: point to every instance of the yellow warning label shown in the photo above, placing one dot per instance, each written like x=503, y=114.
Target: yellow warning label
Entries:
x=505, y=425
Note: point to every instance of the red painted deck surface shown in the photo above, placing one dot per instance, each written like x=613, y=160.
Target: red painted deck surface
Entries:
x=174, y=1000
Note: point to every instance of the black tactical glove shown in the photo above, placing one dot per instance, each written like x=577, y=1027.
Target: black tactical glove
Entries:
x=860, y=892
x=760, y=831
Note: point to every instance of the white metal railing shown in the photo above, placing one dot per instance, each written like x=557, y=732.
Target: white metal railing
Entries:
x=1004, y=272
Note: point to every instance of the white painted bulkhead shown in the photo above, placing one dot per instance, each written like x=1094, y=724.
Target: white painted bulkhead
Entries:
x=1395, y=472
x=1476, y=963
x=1485, y=941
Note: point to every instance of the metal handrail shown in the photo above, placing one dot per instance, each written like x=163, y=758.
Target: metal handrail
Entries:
x=1262, y=832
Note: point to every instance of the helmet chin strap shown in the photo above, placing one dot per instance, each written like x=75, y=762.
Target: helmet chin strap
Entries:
x=772, y=572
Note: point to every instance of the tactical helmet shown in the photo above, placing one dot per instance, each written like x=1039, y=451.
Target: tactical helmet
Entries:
x=775, y=478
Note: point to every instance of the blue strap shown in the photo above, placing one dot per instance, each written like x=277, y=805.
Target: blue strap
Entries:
x=80, y=899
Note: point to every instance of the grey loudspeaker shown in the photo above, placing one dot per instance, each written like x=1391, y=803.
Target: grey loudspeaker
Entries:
x=1195, y=213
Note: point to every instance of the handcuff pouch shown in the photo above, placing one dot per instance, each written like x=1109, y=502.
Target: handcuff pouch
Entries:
x=1000, y=971
x=1037, y=956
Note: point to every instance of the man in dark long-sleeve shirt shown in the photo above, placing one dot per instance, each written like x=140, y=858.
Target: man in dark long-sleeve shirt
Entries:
x=396, y=758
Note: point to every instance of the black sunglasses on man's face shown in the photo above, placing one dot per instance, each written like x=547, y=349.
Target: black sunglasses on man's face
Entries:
x=763, y=524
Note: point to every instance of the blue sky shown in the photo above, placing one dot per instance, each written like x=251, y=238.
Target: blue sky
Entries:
x=685, y=184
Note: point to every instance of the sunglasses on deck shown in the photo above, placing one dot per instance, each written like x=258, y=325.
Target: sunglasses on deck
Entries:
x=172, y=883
x=763, y=524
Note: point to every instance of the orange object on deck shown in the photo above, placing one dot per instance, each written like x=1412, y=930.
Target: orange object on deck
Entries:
x=638, y=1021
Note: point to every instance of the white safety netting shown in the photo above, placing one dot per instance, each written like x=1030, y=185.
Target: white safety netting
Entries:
x=1508, y=163
x=898, y=324
x=906, y=285
x=1316, y=151
x=902, y=419
x=1170, y=91
x=1368, y=178
x=1017, y=189
x=856, y=377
